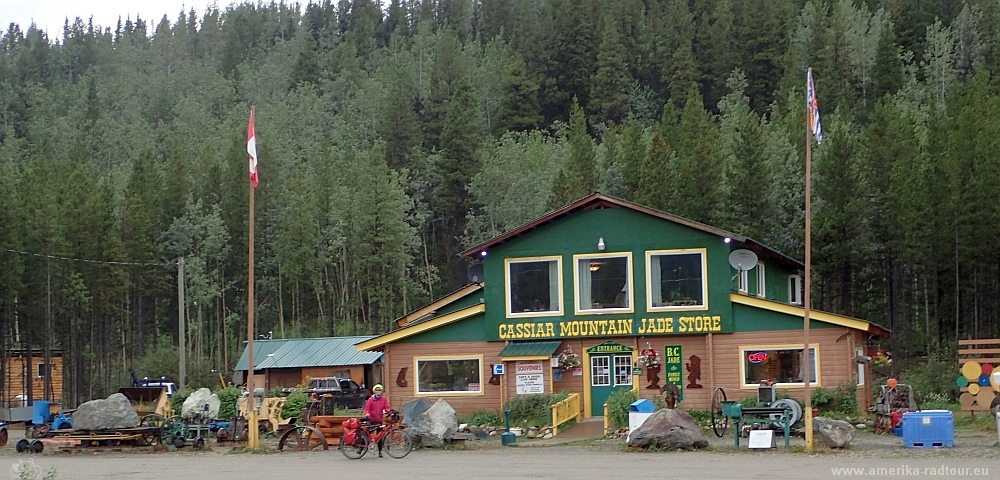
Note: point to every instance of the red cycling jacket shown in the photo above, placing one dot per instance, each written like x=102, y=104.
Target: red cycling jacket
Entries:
x=375, y=407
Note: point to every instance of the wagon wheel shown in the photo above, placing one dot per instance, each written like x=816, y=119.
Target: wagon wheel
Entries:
x=720, y=422
x=171, y=428
x=41, y=431
x=302, y=439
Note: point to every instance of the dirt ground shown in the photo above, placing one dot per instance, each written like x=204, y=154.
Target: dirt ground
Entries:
x=602, y=459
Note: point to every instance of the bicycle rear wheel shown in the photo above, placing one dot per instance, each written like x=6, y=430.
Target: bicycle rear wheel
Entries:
x=360, y=447
x=398, y=444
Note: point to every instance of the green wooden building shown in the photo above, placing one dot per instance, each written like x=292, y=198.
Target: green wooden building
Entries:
x=605, y=294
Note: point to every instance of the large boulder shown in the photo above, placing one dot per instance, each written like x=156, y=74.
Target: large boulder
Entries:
x=413, y=409
x=105, y=414
x=833, y=433
x=670, y=429
x=195, y=404
x=432, y=427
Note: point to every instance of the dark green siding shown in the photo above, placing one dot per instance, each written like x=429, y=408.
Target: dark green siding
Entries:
x=471, y=329
x=750, y=319
x=623, y=230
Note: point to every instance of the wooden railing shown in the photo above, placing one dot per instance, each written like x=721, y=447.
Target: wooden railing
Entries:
x=565, y=411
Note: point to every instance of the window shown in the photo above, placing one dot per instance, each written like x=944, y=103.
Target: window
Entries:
x=795, y=290
x=603, y=283
x=744, y=280
x=677, y=280
x=623, y=370
x=41, y=369
x=600, y=371
x=781, y=364
x=456, y=376
x=534, y=286
x=760, y=280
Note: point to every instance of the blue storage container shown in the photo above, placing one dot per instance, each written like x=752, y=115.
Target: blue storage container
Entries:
x=642, y=406
x=898, y=431
x=929, y=428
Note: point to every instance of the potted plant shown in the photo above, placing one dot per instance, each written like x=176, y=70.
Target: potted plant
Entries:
x=568, y=360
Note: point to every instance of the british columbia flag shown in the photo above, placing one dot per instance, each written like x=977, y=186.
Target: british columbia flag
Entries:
x=813, y=107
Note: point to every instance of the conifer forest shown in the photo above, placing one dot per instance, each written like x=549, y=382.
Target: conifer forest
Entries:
x=393, y=135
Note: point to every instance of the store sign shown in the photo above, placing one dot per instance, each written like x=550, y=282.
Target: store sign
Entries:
x=610, y=347
x=674, y=364
x=529, y=378
x=613, y=327
x=757, y=357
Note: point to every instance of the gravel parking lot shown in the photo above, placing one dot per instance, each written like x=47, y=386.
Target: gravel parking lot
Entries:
x=489, y=460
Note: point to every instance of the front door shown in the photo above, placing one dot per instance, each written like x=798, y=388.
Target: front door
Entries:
x=608, y=373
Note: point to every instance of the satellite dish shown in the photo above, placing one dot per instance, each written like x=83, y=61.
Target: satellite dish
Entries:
x=476, y=273
x=743, y=259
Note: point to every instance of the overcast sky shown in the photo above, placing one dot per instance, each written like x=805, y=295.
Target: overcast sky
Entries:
x=49, y=15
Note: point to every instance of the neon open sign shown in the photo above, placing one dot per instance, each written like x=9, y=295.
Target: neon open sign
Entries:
x=757, y=357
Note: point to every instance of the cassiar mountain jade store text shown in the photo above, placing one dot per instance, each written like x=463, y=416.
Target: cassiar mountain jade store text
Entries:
x=621, y=326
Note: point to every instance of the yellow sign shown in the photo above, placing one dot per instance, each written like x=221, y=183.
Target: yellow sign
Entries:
x=612, y=327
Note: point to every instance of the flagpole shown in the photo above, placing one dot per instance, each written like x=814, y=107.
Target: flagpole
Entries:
x=252, y=420
x=806, y=358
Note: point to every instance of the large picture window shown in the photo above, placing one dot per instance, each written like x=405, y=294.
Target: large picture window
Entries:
x=534, y=286
x=781, y=364
x=677, y=280
x=603, y=283
x=454, y=376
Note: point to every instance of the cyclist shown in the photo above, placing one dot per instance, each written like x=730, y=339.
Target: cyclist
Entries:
x=375, y=409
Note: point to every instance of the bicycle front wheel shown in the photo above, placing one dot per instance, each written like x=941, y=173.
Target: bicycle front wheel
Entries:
x=359, y=449
x=398, y=444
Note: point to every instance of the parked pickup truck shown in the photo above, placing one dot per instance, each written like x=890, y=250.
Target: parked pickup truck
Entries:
x=345, y=392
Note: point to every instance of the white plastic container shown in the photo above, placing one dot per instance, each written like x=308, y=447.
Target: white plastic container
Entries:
x=517, y=431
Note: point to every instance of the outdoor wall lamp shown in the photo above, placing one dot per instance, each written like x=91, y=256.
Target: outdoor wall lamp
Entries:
x=600, y=244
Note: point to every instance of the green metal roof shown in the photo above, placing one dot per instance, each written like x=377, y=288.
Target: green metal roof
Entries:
x=308, y=352
x=530, y=349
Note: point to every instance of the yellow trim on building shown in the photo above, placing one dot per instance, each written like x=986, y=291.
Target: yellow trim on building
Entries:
x=433, y=306
x=450, y=393
x=420, y=327
x=798, y=311
x=531, y=357
x=780, y=346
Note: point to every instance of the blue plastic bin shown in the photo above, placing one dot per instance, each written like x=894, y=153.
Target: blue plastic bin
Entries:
x=642, y=406
x=929, y=429
x=898, y=431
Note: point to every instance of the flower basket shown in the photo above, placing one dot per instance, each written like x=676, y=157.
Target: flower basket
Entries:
x=568, y=360
x=648, y=358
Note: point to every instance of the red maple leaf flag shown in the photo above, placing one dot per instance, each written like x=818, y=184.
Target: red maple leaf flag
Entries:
x=252, y=151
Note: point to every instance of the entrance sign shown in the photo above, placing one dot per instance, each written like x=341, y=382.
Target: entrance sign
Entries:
x=530, y=378
x=610, y=347
x=674, y=364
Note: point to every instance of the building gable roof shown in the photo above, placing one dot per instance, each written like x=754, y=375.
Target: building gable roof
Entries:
x=308, y=352
x=825, y=317
x=420, y=327
x=602, y=201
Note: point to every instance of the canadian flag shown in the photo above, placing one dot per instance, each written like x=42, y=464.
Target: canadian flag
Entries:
x=252, y=151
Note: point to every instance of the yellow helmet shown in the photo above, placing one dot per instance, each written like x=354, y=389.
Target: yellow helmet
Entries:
x=378, y=386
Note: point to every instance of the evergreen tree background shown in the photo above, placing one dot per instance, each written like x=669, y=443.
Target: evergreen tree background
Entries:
x=393, y=135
